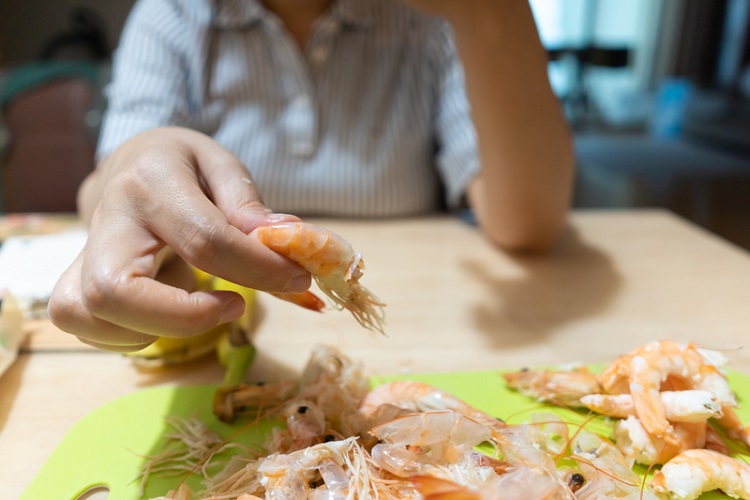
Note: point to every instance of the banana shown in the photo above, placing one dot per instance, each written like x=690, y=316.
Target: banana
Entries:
x=171, y=351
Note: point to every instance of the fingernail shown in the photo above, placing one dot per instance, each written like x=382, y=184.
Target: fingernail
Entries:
x=274, y=217
x=232, y=311
x=297, y=284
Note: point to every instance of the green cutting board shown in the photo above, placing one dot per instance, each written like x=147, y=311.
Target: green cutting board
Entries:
x=105, y=448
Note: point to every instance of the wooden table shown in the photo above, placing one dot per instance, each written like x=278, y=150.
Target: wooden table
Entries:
x=615, y=281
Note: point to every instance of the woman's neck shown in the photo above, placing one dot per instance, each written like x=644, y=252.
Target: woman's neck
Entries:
x=298, y=16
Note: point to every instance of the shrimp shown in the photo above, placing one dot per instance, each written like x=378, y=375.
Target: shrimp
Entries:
x=614, y=378
x=560, y=387
x=639, y=446
x=679, y=406
x=694, y=472
x=420, y=396
x=333, y=263
x=652, y=363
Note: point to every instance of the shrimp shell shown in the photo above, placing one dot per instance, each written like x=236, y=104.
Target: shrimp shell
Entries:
x=333, y=264
x=561, y=387
x=420, y=396
x=429, y=428
x=605, y=470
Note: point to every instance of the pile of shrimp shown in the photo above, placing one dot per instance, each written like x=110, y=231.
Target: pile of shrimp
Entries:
x=343, y=439
x=671, y=406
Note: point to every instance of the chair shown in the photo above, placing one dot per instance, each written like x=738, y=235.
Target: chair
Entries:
x=51, y=150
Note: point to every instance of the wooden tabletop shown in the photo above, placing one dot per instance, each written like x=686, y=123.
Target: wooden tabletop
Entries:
x=617, y=279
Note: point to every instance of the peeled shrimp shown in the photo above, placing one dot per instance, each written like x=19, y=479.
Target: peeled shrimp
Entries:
x=694, y=472
x=679, y=406
x=333, y=264
x=649, y=366
x=639, y=446
x=560, y=387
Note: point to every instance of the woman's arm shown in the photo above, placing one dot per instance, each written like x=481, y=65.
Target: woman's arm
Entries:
x=522, y=195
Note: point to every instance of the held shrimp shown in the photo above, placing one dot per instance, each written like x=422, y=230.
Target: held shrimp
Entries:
x=694, y=472
x=333, y=263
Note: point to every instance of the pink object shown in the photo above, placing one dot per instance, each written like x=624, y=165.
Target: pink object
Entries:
x=51, y=150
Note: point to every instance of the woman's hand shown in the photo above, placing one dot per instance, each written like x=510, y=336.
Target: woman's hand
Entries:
x=165, y=195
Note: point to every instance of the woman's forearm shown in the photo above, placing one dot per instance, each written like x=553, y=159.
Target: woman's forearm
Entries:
x=522, y=195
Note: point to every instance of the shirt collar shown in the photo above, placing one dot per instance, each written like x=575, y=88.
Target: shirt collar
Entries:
x=239, y=13
x=356, y=13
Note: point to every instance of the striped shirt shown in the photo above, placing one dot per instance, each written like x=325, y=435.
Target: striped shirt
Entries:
x=369, y=119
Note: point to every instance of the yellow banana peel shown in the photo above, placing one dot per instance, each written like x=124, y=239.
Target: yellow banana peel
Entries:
x=170, y=351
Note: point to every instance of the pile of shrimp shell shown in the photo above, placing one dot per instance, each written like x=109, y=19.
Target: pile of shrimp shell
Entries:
x=406, y=439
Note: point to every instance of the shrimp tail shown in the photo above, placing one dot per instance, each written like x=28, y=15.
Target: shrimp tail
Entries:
x=306, y=299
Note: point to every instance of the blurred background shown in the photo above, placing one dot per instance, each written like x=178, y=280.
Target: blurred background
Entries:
x=656, y=91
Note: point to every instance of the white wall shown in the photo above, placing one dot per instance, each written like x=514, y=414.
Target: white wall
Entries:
x=621, y=95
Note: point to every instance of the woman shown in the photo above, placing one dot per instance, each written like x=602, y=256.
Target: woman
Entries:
x=348, y=108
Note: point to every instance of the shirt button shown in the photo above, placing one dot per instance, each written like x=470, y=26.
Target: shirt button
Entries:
x=318, y=55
